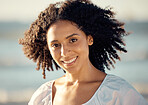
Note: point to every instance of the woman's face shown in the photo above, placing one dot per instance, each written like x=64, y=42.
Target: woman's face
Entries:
x=68, y=45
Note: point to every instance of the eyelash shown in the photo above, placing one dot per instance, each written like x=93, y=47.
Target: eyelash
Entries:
x=73, y=40
x=55, y=45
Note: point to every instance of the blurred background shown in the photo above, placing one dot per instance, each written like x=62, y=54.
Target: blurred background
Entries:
x=18, y=77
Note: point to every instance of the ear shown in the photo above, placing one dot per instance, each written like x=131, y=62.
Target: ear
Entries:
x=90, y=40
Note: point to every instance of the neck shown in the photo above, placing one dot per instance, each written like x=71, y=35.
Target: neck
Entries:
x=86, y=74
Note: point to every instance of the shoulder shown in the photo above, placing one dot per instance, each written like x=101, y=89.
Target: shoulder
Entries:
x=116, y=90
x=114, y=83
x=42, y=95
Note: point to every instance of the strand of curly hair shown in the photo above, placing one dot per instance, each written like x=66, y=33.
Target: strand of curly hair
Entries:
x=106, y=31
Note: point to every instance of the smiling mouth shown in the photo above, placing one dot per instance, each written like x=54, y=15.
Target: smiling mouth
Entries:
x=70, y=61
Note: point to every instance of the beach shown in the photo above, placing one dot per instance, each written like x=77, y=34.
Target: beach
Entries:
x=19, y=79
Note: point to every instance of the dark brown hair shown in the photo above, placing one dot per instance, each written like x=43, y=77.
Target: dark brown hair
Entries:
x=106, y=31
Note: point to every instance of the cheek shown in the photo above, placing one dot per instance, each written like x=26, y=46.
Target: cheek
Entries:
x=54, y=54
x=82, y=48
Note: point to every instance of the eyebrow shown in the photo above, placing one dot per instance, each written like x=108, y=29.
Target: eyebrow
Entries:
x=66, y=37
x=72, y=35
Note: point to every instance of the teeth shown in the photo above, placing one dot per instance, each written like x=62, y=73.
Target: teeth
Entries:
x=70, y=61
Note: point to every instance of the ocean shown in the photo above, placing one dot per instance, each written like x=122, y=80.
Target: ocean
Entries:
x=19, y=79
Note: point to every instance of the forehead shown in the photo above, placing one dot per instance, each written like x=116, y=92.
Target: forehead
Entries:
x=61, y=29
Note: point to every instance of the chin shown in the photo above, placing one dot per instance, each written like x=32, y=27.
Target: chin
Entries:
x=71, y=70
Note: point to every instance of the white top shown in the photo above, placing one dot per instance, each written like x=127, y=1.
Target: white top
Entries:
x=113, y=91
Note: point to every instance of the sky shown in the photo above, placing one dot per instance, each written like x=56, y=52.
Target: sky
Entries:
x=28, y=10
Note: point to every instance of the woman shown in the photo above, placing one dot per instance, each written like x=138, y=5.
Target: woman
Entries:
x=82, y=39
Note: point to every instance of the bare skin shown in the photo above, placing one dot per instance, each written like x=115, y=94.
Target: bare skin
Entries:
x=76, y=93
x=69, y=47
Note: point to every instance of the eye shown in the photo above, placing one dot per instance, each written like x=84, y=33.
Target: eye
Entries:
x=73, y=40
x=55, y=45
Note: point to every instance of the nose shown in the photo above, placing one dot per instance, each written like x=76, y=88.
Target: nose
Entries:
x=65, y=50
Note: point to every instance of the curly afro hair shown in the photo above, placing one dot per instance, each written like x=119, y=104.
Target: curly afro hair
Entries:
x=106, y=31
